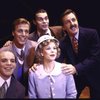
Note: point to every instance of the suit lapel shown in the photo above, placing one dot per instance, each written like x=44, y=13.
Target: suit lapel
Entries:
x=82, y=42
x=11, y=92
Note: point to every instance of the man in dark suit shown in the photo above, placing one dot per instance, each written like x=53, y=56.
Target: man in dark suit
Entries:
x=85, y=63
x=14, y=89
x=41, y=22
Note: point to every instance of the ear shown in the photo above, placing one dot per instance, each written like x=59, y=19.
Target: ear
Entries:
x=41, y=54
x=12, y=33
x=63, y=28
x=34, y=22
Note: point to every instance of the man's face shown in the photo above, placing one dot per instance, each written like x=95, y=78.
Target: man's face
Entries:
x=70, y=23
x=42, y=21
x=7, y=64
x=21, y=34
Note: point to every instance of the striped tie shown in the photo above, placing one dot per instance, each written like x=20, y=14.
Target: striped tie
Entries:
x=75, y=44
x=3, y=90
x=22, y=55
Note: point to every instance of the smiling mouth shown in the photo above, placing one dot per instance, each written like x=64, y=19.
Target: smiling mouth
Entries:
x=8, y=68
x=52, y=55
x=23, y=39
x=45, y=25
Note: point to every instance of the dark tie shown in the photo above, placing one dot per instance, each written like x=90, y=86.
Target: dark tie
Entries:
x=22, y=55
x=47, y=34
x=3, y=90
x=20, y=68
x=75, y=44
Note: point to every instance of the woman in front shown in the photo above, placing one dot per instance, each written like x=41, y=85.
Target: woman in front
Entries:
x=48, y=81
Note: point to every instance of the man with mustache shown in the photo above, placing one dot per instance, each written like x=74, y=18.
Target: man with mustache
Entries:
x=85, y=63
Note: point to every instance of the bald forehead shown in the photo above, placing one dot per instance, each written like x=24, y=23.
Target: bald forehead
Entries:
x=7, y=54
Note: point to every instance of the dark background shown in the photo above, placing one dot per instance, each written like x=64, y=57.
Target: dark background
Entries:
x=88, y=12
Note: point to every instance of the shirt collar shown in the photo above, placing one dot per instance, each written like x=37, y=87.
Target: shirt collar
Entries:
x=77, y=35
x=2, y=81
x=41, y=73
x=47, y=32
x=19, y=50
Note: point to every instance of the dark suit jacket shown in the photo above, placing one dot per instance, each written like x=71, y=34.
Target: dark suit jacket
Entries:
x=16, y=89
x=55, y=31
x=87, y=62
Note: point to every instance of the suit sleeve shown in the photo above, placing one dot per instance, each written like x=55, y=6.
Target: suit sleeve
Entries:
x=93, y=57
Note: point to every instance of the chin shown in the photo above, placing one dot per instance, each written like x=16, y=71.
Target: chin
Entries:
x=45, y=29
x=22, y=43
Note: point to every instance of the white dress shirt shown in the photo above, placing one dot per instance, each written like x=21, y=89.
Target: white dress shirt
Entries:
x=18, y=50
x=2, y=81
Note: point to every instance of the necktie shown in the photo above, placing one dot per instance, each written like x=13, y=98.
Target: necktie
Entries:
x=22, y=55
x=20, y=68
x=47, y=34
x=75, y=44
x=3, y=89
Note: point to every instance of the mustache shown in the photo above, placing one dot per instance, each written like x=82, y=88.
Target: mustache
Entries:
x=72, y=26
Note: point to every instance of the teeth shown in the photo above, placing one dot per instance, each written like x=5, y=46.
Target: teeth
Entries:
x=23, y=39
x=8, y=68
x=73, y=28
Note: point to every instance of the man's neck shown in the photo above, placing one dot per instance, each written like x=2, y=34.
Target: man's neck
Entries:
x=42, y=32
x=18, y=45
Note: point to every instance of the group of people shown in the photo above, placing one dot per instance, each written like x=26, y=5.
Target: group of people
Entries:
x=45, y=61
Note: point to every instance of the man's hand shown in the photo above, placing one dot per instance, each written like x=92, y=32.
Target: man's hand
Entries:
x=7, y=43
x=34, y=43
x=33, y=68
x=68, y=69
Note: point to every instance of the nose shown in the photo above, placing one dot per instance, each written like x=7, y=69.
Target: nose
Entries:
x=44, y=20
x=71, y=22
x=9, y=62
x=52, y=50
x=24, y=33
